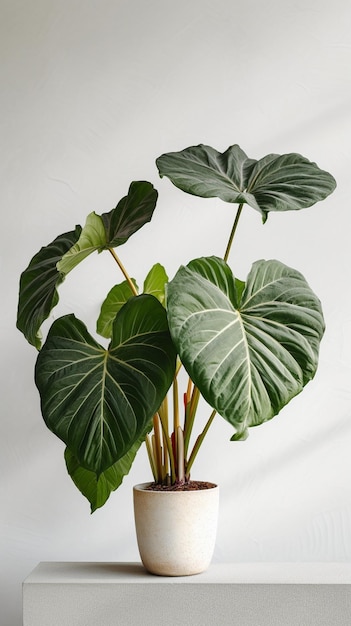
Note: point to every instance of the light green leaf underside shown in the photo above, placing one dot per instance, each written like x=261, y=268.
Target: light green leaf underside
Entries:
x=249, y=356
x=155, y=282
x=119, y=294
x=92, y=238
x=115, y=299
x=48, y=268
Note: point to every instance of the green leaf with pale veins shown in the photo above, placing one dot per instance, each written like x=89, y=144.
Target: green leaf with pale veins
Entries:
x=98, y=489
x=101, y=401
x=114, y=228
x=38, y=286
x=274, y=183
x=248, y=351
x=48, y=268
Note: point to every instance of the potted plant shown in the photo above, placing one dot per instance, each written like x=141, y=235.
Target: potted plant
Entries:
x=248, y=347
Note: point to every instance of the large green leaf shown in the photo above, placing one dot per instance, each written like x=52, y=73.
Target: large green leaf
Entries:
x=98, y=401
x=48, y=268
x=114, y=228
x=251, y=351
x=130, y=214
x=38, y=283
x=274, y=183
x=98, y=489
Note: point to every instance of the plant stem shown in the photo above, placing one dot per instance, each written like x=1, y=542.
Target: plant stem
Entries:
x=231, y=237
x=176, y=427
x=190, y=417
x=163, y=415
x=189, y=388
x=192, y=405
x=157, y=460
x=124, y=271
x=180, y=454
x=175, y=405
x=151, y=457
x=198, y=443
x=154, y=447
x=157, y=447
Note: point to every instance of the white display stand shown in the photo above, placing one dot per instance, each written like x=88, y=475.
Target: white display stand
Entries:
x=246, y=594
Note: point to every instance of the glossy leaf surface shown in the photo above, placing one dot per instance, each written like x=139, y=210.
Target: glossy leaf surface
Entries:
x=48, y=268
x=249, y=353
x=98, y=489
x=274, y=183
x=130, y=214
x=98, y=401
x=38, y=286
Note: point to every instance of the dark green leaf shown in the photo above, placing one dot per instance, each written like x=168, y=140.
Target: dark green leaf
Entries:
x=130, y=214
x=38, y=283
x=97, y=490
x=99, y=402
x=202, y=171
x=288, y=182
x=249, y=353
x=274, y=183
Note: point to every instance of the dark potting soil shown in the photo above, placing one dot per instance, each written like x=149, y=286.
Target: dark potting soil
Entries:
x=192, y=485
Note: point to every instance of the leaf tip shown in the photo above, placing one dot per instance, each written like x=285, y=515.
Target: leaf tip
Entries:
x=240, y=435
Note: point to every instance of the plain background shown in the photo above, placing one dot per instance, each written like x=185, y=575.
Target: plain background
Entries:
x=92, y=92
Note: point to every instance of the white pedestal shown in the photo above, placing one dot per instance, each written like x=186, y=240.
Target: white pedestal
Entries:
x=246, y=594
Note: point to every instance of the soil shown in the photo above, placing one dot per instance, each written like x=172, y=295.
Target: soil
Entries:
x=192, y=485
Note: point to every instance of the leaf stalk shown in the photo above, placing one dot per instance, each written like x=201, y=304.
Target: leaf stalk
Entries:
x=198, y=442
x=124, y=271
x=233, y=231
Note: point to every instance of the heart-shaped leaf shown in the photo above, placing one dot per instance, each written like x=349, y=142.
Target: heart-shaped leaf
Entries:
x=98, y=401
x=37, y=293
x=249, y=353
x=274, y=183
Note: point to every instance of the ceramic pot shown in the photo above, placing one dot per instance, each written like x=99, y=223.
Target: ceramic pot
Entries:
x=176, y=530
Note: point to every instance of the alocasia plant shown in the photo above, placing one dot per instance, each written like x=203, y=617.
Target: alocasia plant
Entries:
x=248, y=346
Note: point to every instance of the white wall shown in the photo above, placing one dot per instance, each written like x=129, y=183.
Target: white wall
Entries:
x=92, y=93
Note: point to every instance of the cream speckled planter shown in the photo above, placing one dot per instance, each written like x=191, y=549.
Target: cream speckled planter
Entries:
x=176, y=530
